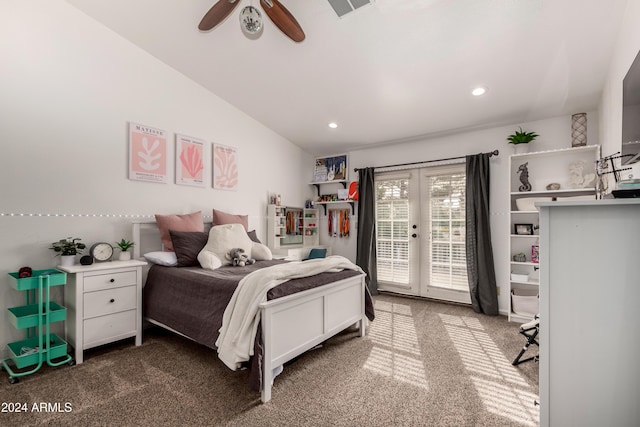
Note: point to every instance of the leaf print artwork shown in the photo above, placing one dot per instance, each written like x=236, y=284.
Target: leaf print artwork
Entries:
x=190, y=161
x=225, y=168
x=147, y=154
x=149, y=159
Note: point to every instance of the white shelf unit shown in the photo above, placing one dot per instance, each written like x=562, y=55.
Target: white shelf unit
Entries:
x=309, y=232
x=310, y=227
x=544, y=167
x=342, y=182
x=276, y=225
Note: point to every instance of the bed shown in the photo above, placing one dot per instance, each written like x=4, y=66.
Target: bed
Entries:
x=297, y=315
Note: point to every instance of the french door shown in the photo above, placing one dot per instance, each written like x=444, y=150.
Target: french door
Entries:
x=420, y=233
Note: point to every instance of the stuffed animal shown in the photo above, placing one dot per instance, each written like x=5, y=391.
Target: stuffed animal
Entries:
x=238, y=258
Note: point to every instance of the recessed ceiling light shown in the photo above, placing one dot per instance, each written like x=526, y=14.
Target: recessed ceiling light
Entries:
x=333, y=125
x=479, y=91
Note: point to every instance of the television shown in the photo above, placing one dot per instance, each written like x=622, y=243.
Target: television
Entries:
x=631, y=114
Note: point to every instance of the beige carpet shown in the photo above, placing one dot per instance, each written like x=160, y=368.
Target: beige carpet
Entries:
x=422, y=364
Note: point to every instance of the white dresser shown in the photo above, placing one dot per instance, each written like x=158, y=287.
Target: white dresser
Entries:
x=104, y=303
x=590, y=313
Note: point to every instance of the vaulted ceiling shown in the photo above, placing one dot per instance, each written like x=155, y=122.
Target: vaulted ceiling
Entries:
x=391, y=71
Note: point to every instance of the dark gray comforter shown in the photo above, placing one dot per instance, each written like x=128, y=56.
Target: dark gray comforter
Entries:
x=192, y=300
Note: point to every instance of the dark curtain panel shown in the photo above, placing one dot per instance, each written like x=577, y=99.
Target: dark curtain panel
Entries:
x=366, y=256
x=480, y=268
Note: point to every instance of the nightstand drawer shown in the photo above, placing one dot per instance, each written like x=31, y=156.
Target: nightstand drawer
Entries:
x=109, y=280
x=109, y=301
x=104, y=329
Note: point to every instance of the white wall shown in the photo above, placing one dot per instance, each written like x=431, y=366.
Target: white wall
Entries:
x=68, y=87
x=610, y=107
x=554, y=133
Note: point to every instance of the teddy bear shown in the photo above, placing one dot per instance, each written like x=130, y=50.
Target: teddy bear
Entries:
x=238, y=258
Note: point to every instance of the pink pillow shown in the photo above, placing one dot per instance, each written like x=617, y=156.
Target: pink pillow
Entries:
x=222, y=218
x=186, y=222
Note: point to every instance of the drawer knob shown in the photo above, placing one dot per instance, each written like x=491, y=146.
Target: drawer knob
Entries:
x=112, y=300
x=112, y=280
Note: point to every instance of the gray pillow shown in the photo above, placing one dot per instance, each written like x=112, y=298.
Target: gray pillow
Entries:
x=253, y=236
x=187, y=245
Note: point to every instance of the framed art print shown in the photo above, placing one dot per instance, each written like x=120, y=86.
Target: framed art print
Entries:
x=147, y=154
x=524, y=229
x=332, y=168
x=225, y=167
x=190, y=164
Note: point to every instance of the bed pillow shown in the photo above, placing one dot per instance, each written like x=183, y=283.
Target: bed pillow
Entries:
x=187, y=222
x=223, y=238
x=260, y=252
x=187, y=245
x=167, y=259
x=222, y=218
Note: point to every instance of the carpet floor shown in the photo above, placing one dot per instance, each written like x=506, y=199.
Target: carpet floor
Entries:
x=422, y=363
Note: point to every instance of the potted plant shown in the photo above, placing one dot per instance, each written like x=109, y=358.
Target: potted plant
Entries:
x=68, y=249
x=521, y=137
x=124, y=246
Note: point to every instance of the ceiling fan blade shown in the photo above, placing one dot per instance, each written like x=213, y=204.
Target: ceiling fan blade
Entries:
x=283, y=19
x=217, y=13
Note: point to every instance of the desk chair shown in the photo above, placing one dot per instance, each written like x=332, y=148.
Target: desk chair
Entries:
x=530, y=331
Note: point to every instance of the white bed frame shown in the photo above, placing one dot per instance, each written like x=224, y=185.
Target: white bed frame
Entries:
x=293, y=324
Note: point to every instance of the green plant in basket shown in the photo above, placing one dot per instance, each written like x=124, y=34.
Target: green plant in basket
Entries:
x=521, y=137
x=125, y=245
x=68, y=246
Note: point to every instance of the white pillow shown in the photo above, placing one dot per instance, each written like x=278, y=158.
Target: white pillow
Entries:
x=168, y=259
x=223, y=238
x=260, y=252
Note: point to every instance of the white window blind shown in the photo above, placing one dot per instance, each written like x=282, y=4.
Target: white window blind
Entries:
x=447, y=223
x=392, y=229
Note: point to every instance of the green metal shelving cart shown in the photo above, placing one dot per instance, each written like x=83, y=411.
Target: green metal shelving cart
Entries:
x=36, y=317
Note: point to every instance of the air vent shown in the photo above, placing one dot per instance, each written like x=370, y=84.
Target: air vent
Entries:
x=342, y=7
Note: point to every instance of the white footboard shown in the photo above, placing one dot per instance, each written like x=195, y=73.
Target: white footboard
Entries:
x=296, y=323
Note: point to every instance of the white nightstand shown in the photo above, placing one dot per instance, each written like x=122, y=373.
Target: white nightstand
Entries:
x=104, y=303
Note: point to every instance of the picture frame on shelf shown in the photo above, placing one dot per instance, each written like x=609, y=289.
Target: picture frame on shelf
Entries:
x=523, y=229
x=333, y=168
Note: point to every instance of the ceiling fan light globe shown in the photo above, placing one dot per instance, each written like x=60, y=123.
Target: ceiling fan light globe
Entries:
x=250, y=20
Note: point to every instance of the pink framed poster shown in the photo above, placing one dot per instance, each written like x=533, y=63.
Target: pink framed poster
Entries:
x=147, y=154
x=190, y=161
x=225, y=167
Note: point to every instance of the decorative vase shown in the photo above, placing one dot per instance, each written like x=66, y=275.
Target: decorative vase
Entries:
x=520, y=148
x=579, y=130
x=67, y=260
x=124, y=256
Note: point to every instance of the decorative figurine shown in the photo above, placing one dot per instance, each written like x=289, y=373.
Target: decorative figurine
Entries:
x=524, y=177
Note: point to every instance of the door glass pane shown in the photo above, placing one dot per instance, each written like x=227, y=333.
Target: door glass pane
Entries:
x=392, y=230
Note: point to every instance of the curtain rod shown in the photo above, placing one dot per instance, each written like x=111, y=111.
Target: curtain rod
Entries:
x=492, y=153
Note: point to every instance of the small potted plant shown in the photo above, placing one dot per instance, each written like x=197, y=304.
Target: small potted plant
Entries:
x=124, y=246
x=67, y=249
x=521, y=137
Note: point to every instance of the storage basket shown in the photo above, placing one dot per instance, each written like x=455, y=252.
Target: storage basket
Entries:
x=56, y=278
x=525, y=302
x=519, y=277
x=57, y=348
x=26, y=316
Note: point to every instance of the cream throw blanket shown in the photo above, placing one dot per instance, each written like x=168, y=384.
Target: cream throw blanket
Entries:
x=242, y=315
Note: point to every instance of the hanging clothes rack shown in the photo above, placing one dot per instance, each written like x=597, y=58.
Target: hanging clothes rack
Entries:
x=491, y=154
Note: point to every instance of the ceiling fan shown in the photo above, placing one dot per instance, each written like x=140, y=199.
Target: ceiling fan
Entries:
x=251, y=18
